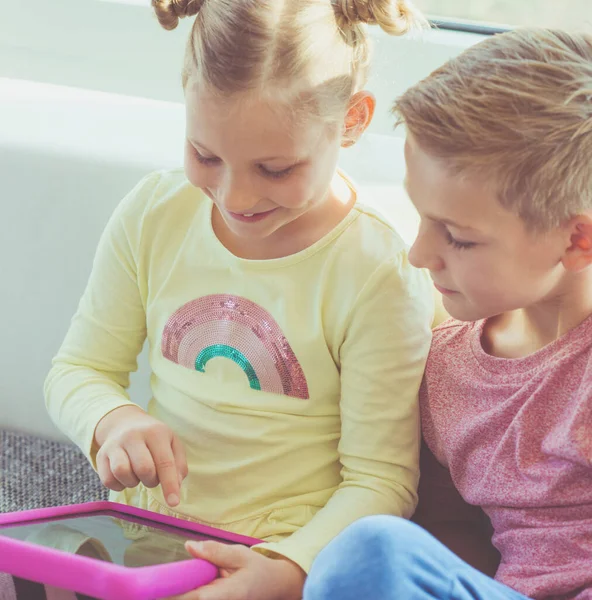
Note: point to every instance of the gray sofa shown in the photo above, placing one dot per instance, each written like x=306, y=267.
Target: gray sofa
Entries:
x=35, y=472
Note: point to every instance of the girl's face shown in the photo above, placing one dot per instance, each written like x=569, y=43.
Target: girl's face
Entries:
x=267, y=170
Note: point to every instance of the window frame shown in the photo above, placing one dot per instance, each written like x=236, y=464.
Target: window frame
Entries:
x=480, y=28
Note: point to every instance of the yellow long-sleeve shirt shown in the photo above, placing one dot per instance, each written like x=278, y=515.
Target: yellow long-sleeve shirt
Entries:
x=292, y=382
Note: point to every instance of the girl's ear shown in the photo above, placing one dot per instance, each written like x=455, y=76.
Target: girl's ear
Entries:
x=359, y=115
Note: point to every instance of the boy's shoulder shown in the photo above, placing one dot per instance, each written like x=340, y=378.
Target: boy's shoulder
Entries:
x=452, y=345
x=458, y=343
x=454, y=332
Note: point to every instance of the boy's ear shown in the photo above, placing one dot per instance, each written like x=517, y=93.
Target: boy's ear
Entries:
x=578, y=254
x=359, y=115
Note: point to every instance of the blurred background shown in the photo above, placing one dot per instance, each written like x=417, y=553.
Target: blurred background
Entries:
x=533, y=13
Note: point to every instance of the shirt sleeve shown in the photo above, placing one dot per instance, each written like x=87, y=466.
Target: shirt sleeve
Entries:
x=442, y=511
x=382, y=357
x=439, y=500
x=90, y=373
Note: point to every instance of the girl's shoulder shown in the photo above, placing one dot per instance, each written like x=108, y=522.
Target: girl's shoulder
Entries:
x=367, y=239
x=370, y=259
x=161, y=202
x=371, y=222
x=159, y=189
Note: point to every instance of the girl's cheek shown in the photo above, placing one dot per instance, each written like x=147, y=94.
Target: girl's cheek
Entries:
x=196, y=174
x=296, y=192
x=295, y=201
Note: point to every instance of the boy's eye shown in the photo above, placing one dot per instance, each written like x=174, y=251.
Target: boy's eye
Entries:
x=205, y=160
x=457, y=243
x=275, y=174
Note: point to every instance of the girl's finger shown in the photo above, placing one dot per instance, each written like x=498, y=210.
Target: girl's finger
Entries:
x=225, y=556
x=121, y=468
x=142, y=464
x=180, y=457
x=104, y=471
x=166, y=468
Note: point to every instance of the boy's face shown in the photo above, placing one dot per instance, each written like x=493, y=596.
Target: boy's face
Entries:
x=480, y=255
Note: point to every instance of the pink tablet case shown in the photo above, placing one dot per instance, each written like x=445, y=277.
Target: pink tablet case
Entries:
x=99, y=579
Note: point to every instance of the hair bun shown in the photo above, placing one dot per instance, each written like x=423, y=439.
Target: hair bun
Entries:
x=393, y=16
x=169, y=12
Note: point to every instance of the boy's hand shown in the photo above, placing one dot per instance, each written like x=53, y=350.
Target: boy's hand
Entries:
x=246, y=575
x=134, y=447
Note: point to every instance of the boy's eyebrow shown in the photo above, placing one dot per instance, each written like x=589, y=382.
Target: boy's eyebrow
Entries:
x=449, y=222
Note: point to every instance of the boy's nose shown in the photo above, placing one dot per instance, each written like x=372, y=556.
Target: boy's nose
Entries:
x=423, y=255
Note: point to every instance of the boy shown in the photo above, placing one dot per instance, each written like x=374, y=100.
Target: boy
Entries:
x=499, y=166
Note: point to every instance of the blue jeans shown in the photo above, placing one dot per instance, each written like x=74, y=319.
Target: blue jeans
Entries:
x=387, y=558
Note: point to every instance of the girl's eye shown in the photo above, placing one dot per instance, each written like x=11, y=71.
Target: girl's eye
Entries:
x=206, y=160
x=458, y=244
x=276, y=174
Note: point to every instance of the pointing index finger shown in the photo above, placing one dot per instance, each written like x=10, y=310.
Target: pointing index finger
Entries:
x=166, y=468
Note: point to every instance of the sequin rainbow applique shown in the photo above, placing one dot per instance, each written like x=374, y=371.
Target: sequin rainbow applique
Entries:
x=239, y=330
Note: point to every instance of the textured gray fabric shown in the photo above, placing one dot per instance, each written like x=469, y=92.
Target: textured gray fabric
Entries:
x=36, y=472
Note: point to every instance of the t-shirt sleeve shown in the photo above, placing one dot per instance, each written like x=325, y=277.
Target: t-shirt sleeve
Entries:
x=90, y=373
x=442, y=511
x=439, y=500
x=382, y=357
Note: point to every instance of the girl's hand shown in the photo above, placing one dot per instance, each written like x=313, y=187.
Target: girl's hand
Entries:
x=246, y=575
x=134, y=447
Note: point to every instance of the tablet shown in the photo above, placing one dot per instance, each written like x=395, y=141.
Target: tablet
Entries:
x=104, y=550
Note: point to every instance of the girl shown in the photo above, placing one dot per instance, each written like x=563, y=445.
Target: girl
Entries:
x=287, y=331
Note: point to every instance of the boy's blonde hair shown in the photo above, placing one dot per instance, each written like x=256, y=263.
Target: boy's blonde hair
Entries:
x=314, y=51
x=515, y=110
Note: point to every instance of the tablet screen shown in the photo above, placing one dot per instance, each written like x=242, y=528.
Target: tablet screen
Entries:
x=109, y=536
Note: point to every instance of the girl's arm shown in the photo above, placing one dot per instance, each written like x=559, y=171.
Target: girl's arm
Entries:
x=382, y=357
x=90, y=373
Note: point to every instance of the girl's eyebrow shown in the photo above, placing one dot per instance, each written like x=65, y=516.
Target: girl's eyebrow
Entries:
x=196, y=143
x=263, y=159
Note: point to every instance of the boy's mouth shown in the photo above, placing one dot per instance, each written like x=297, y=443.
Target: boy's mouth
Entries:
x=444, y=291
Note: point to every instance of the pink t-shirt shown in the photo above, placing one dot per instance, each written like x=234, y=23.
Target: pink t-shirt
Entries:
x=516, y=435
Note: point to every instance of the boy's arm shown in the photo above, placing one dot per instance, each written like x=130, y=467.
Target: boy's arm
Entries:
x=462, y=527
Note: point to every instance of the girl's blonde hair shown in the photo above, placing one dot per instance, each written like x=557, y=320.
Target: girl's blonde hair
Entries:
x=316, y=51
x=516, y=111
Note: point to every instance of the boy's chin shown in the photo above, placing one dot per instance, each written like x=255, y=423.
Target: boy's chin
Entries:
x=461, y=310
